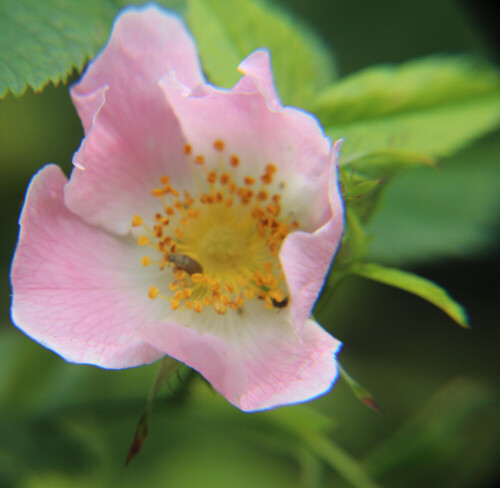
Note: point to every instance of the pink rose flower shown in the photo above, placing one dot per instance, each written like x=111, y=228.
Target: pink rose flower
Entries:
x=198, y=223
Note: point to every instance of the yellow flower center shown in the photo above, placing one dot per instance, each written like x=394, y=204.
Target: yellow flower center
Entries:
x=222, y=243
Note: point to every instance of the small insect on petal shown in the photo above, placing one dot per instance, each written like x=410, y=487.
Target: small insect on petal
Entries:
x=186, y=263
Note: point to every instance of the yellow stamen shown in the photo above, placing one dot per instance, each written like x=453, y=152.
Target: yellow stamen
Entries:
x=137, y=221
x=219, y=145
x=218, y=247
x=153, y=292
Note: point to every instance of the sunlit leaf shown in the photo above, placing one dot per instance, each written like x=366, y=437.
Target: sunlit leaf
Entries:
x=437, y=131
x=417, y=285
x=433, y=106
x=380, y=91
x=227, y=32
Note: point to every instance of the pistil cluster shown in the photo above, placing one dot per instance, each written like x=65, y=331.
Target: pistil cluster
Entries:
x=221, y=242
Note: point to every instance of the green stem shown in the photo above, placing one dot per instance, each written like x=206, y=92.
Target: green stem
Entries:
x=340, y=461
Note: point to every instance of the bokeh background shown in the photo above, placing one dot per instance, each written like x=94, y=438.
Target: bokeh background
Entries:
x=68, y=425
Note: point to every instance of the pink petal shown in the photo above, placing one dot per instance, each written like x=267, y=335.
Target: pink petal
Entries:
x=75, y=287
x=149, y=41
x=132, y=136
x=306, y=257
x=259, y=77
x=252, y=124
x=258, y=363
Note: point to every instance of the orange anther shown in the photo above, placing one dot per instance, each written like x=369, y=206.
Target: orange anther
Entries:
x=273, y=209
x=175, y=304
x=262, y=195
x=158, y=192
x=196, y=277
x=200, y=159
x=212, y=177
x=179, y=295
x=179, y=274
x=172, y=190
x=220, y=308
x=249, y=180
x=188, y=149
x=137, y=221
x=219, y=145
x=153, y=292
x=257, y=213
x=143, y=240
x=234, y=161
x=271, y=168
x=267, y=178
x=277, y=294
x=146, y=261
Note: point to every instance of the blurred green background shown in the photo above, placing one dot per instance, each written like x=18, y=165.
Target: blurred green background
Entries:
x=68, y=425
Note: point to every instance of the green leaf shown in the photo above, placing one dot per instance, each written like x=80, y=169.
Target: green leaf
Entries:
x=433, y=106
x=387, y=90
x=417, y=285
x=451, y=211
x=227, y=32
x=42, y=42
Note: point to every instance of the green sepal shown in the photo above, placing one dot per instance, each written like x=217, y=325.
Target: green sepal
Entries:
x=361, y=393
x=167, y=366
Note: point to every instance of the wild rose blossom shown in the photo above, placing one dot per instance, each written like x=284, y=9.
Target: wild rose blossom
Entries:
x=198, y=223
